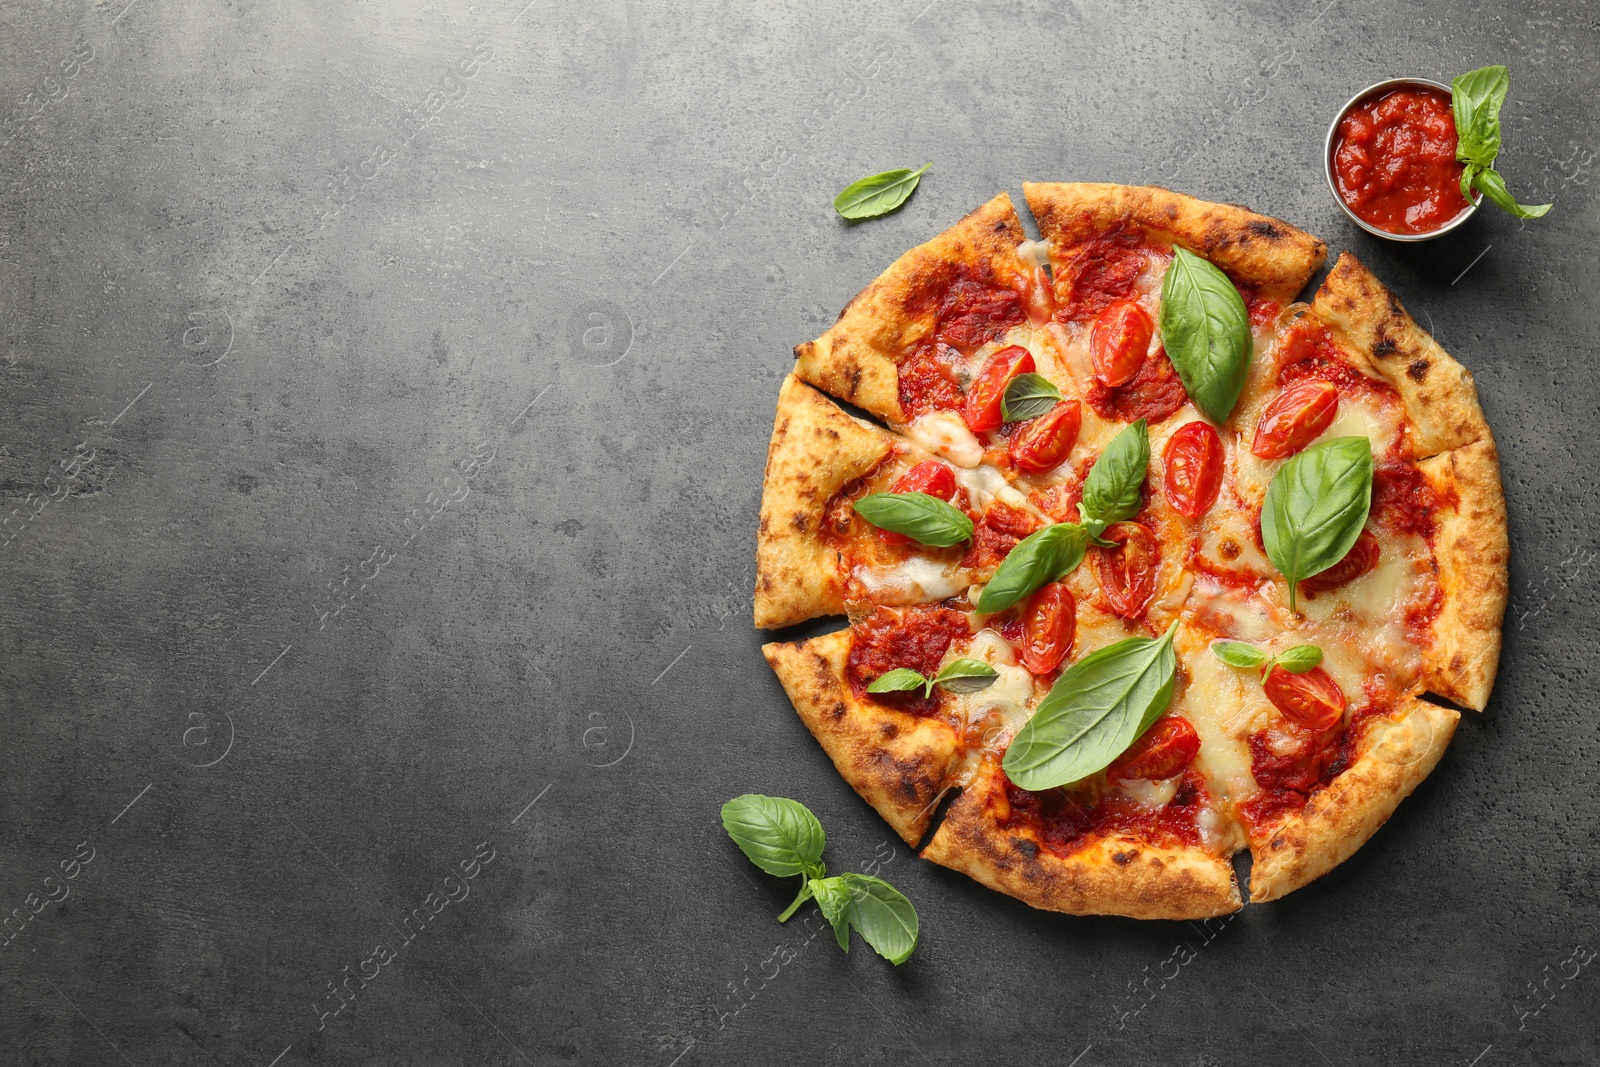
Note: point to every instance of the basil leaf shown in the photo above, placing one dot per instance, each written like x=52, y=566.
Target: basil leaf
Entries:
x=1027, y=397
x=1315, y=508
x=1206, y=330
x=1093, y=713
x=964, y=676
x=803, y=896
x=900, y=680
x=882, y=915
x=833, y=897
x=1475, y=101
x=1043, y=556
x=1490, y=184
x=1113, y=491
x=1469, y=173
x=780, y=836
x=878, y=194
x=1299, y=659
x=919, y=516
x=1240, y=654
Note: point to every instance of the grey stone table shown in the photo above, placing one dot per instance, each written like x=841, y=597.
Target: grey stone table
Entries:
x=384, y=390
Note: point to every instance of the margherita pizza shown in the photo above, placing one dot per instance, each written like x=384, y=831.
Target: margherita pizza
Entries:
x=1144, y=562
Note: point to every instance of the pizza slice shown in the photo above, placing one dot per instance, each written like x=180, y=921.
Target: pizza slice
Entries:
x=815, y=555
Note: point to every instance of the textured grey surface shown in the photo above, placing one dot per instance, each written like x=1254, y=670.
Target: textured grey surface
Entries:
x=392, y=382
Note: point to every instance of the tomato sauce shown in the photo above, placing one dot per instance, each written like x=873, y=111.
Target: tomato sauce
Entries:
x=928, y=381
x=1065, y=822
x=1153, y=393
x=916, y=637
x=1402, y=499
x=1100, y=271
x=996, y=534
x=975, y=310
x=1287, y=781
x=1395, y=161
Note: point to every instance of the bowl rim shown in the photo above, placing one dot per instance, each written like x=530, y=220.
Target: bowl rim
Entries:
x=1327, y=163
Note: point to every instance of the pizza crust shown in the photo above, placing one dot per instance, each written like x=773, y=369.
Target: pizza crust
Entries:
x=1472, y=551
x=1438, y=393
x=1395, y=756
x=1112, y=876
x=1253, y=248
x=898, y=763
x=815, y=450
x=857, y=359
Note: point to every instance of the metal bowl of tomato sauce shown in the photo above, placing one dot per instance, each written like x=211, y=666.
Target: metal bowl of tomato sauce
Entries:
x=1390, y=161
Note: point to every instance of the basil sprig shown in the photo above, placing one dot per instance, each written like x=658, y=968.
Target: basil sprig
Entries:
x=1027, y=397
x=918, y=516
x=1111, y=493
x=1094, y=712
x=878, y=194
x=1113, y=490
x=1475, y=101
x=1043, y=556
x=1296, y=660
x=1205, y=328
x=1315, y=508
x=783, y=838
x=958, y=676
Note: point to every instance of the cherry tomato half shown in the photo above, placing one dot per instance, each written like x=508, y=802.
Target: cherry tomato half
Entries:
x=983, y=402
x=933, y=478
x=1193, y=462
x=1119, y=342
x=1042, y=443
x=1164, y=750
x=1127, y=573
x=1049, y=624
x=1362, y=557
x=1313, y=699
x=1294, y=419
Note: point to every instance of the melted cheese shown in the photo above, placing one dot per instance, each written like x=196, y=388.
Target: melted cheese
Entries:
x=1148, y=793
x=1009, y=699
x=1034, y=253
x=945, y=434
x=912, y=581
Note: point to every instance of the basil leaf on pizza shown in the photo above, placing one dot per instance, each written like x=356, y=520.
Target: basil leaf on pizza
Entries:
x=1299, y=659
x=1296, y=660
x=779, y=835
x=882, y=915
x=1114, y=489
x=1094, y=712
x=900, y=680
x=918, y=516
x=1205, y=329
x=1027, y=397
x=965, y=676
x=1315, y=508
x=1234, y=653
x=878, y=194
x=958, y=676
x=1042, y=557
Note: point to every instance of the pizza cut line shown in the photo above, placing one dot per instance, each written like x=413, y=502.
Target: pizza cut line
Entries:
x=1298, y=768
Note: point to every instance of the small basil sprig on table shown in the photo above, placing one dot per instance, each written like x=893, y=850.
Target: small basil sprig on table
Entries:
x=1094, y=712
x=1113, y=491
x=918, y=516
x=1296, y=660
x=1027, y=397
x=1315, y=508
x=1475, y=101
x=958, y=676
x=1205, y=329
x=783, y=838
x=878, y=194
